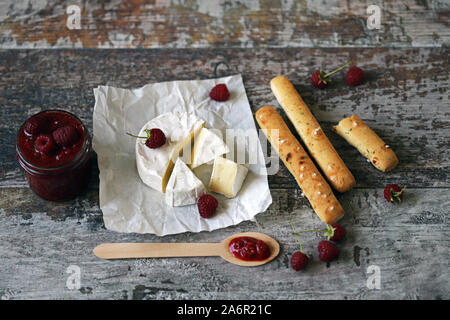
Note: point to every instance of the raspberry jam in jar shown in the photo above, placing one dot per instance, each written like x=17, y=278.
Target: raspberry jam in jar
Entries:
x=249, y=249
x=53, y=147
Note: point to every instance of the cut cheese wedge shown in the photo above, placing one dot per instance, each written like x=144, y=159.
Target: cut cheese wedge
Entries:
x=208, y=145
x=155, y=165
x=183, y=187
x=184, y=147
x=227, y=177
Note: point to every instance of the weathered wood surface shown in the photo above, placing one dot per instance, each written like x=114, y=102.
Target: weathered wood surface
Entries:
x=405, y=99
x=219, y=23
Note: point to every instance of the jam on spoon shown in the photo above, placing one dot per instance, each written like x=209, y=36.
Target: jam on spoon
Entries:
x=249, y=249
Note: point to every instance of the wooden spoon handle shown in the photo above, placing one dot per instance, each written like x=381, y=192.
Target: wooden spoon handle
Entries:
x=156, y=250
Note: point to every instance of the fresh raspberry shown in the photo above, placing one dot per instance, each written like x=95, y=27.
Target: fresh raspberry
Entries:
x=319, y=80
x=393, y=193
x=36, y=125
x=220, y=93
x=339, y=232
x=65, y=136
x=44, y=143
x=207, y=205
x=354, y=76
x=299, y=260
x=156, y=138
x=327, y=251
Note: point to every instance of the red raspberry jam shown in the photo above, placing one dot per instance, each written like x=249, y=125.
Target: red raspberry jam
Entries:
x=55, y=170
x=249, y=249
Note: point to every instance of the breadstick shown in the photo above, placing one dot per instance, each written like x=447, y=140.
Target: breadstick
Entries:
x=312, y=135
x=314, y=186
x=371, y=146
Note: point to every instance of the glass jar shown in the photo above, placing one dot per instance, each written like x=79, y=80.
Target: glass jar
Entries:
x=64, y=171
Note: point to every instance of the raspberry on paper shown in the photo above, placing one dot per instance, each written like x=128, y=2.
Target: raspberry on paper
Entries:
x=207, y=205
x=219, y=93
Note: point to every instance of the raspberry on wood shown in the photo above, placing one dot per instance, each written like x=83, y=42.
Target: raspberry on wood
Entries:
x=339, y=232
x=355, y=76
x=299, y=260
x=393, y=193
x=320, y=79
x=328, y=251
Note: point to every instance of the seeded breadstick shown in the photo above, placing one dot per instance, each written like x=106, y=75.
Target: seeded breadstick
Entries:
x=314, y=186
x=371, y=146
x=312, y=135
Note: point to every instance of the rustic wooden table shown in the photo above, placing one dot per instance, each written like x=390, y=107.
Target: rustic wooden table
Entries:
x=405, y=98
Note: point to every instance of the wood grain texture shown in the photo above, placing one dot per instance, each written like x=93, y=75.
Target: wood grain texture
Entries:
x=405, y=98
x=220, y=23
x=409, y=243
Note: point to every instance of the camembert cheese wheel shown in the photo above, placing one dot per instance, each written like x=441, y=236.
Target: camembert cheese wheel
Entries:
x=155, y=165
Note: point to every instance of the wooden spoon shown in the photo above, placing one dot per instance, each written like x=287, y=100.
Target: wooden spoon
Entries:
x=186, y=249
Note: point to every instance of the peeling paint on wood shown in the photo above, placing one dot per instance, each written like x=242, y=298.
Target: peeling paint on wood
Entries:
x=412, y=256
x=219, y=23
x=405, y=98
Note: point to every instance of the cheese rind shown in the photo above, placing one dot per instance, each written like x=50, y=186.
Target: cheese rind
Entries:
x=155, y=165
x=183, y=187
x=227, y=177
x=207, y=146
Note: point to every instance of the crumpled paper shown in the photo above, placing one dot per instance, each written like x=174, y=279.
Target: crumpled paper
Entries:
x=128, y=205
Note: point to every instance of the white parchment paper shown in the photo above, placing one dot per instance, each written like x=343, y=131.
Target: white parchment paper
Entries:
x=128, y=205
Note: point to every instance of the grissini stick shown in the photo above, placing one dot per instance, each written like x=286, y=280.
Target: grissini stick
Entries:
x=314, y=186
x=368, y=143
x=312, y=134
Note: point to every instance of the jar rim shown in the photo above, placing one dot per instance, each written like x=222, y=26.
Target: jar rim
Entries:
x=46, y=170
